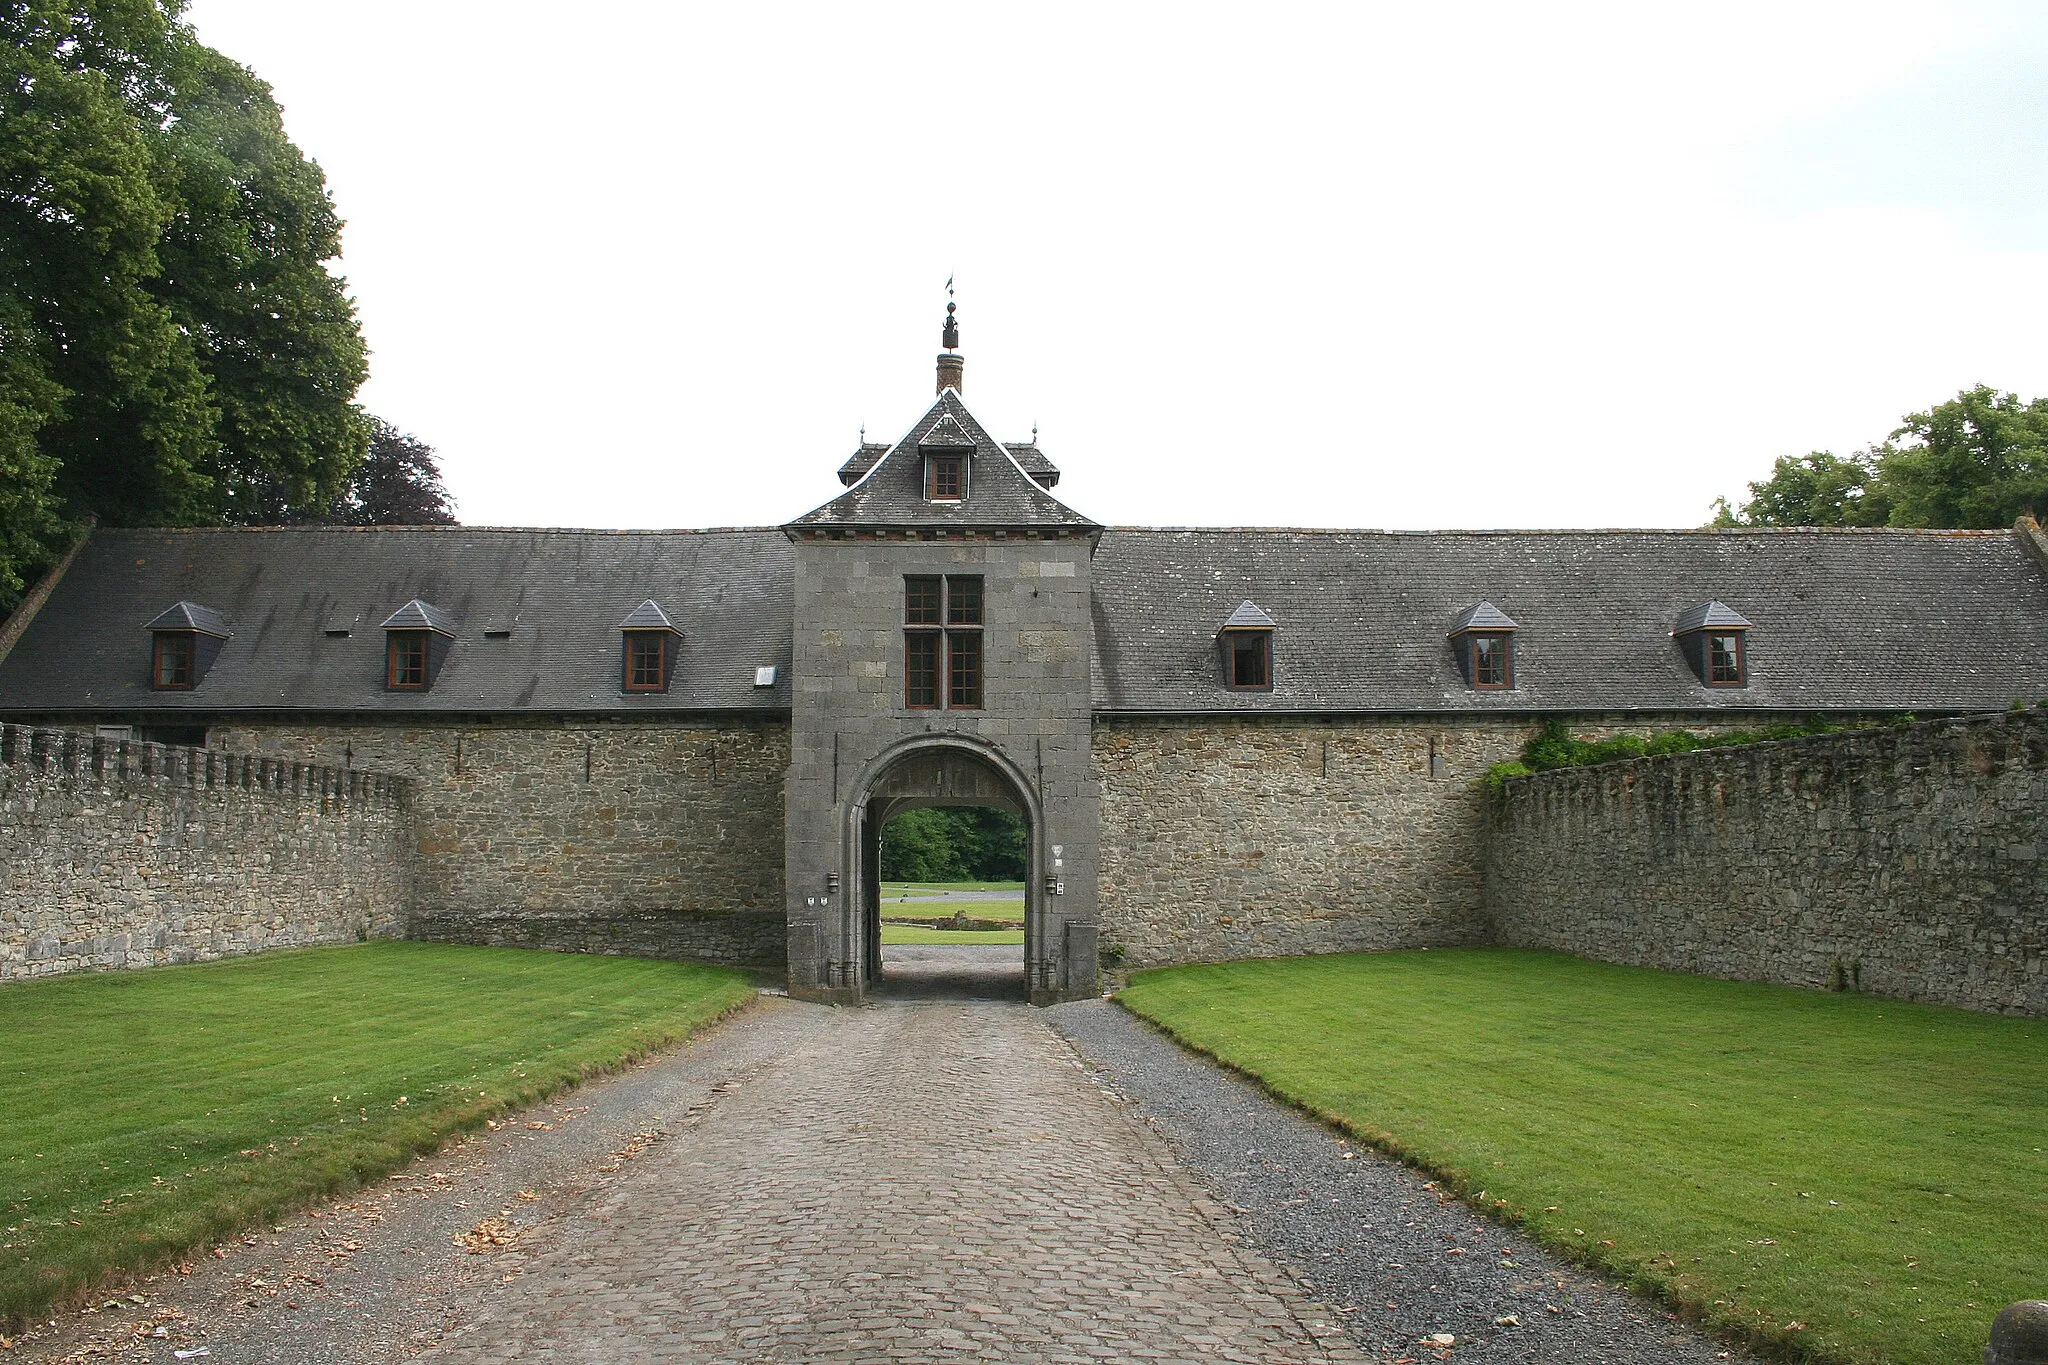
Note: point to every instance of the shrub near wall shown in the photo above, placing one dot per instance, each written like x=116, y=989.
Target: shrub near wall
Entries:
x=1905, y=862
x=125, y=854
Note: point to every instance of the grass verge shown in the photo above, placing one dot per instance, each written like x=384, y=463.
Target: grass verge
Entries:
x=1832, y=1177
x=151, y=1112
x=925, y=911
x=910, y=933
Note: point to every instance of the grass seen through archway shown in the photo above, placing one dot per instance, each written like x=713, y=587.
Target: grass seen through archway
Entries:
x=1836, y=1176
x=151, y=1112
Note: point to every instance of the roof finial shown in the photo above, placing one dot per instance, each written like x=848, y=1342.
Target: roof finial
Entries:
x=950, y=362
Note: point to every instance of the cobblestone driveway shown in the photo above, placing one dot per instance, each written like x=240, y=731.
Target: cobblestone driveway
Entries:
x=907, y=1182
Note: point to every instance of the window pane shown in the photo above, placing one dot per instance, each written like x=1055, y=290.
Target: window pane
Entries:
x=947, y=473
x=921, y=668
x=644, y=659
x=173, y=661
x=963, y=599
x=921, y=601
x=1249, y=659
x=408, y=660
x=1489, y=661
x=1724, y=658
x=964, y=649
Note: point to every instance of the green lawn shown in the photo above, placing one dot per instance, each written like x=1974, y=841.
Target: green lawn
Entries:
x=1012, y=911
x=916, y=889
x=1837, y=1175
x=149, y=1112
x=911, y=933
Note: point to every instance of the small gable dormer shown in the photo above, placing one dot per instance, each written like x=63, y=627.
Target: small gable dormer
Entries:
x=647, y=651
x=1483, y=638
x=948, y=454
x=185, y=639
x=1247, y=646
x=417, y=638
x=1715, y=641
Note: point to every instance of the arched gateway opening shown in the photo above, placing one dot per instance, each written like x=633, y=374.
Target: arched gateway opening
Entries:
x=945, y=771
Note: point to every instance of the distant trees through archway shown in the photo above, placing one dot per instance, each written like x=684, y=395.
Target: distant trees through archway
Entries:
x=954, y=844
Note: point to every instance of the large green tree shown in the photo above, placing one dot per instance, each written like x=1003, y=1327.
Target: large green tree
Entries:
x=1979, y=460
x=173, y=348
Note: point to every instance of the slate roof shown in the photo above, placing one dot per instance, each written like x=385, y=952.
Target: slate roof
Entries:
x=1000, y=492
x=1249, y=616
x=558, y=592
x=192, y=616
x=1843, y=619
x=1482, y=616
x=418, y=615
x=647, y=616
x=1028, y=456
x=1710, y=615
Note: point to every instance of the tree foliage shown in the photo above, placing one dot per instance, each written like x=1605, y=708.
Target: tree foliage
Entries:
x=173, y=349
x=953, y=844
x=1979, y=460
x=398, y=483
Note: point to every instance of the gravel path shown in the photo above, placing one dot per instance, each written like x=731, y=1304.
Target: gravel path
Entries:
x=1397, y=1261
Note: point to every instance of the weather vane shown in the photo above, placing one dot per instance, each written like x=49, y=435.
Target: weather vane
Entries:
x=950, y=338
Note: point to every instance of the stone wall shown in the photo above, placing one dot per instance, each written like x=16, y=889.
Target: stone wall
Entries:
x=1247, y=838
x=115, y=853
x=1905, y=860
x=657, y=839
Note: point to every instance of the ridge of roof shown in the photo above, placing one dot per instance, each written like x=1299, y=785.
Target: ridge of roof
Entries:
x=417, y=614
x=309, y=528
x=1704, y=531
x=1249, y=615
x=1713, y=615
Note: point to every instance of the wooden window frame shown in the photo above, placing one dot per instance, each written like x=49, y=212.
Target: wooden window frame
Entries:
x=1232, y=642
x=944, y=652
x=411, y=641
x=1709, y=664
x=936, y=465
x=184, y=642
x=636, y=641
x=1480, y=683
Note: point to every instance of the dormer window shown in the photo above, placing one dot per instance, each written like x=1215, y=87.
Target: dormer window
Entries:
x=184, y=641
x=1483, y=638
x=405, y=660
x=416, y=641
x=1247, y=640
x=173, y=668
x=1715, y=641
x=945, y=477
x=648, y=652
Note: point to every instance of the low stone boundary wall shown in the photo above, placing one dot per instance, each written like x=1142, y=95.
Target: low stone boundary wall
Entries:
x=119, y=853
x=1902, y=861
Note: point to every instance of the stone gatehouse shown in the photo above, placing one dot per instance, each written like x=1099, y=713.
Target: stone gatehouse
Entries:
x=1224, y=742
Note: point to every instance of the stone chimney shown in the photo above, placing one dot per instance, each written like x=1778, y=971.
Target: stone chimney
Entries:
x=951, y=364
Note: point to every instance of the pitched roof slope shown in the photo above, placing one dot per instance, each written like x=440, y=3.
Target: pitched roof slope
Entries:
x=561, y=594
x=999, y=491
x=1920, y=620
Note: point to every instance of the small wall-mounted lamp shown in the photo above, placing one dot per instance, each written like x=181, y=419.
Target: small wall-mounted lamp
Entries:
x=1054, y=886
x=832, y=883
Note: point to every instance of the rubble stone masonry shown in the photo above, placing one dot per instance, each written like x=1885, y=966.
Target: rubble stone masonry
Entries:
x=1907, y=861
x=115, y=853
x=656, y=839
x=1251, y=838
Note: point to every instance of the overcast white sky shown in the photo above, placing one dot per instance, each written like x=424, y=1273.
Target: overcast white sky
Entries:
x=1347, y=265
